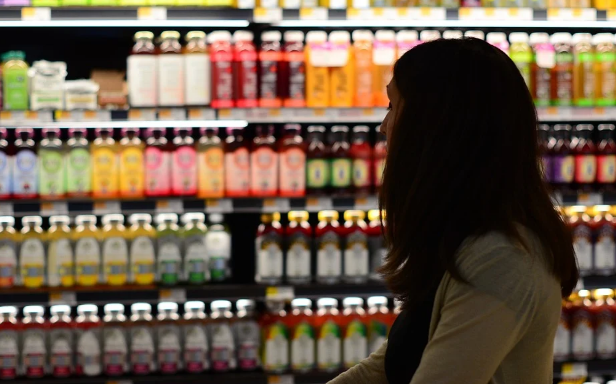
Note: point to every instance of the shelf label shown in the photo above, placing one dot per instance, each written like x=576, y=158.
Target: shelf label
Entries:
x=172, y=114
x=218, y=205
x=6, y=209
x=366, y=203
x=175, y=295
x=279, y=293
x=276, y=205
x=590, y=199
x=36, y=14
x=35, y=118
x=201, y=114
x=317, y=13
x=267, y=15
x=232, y=114
x=611, y=14
x=572, y=14
x=314, y=204
x=574, y=370
x=283, y=379
x=151, y=13
x=169, y=206
x=63, y=297
x=142, y=114
x=105, y=207
x=55, y=208
x=517, y=14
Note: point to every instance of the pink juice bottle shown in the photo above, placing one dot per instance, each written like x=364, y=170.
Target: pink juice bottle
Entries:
x=237, y=164
x=405, y=40
x=541, y=67
x=184, y=164
x=221, y=56
x=499, y=40
x=157, y=163
x=264, y=163
x=245, y=69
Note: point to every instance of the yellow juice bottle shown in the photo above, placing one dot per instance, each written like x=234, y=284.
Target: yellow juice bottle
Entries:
x=60, y=265
x=142, y=255
x=583, y=72
x=132, y=172
x=87, y=251
x=342, y=69
x=364, y=68
x=383, y=56
x=105, y=169
x=317, y=70
x=605, y=66
x=32, y=252
x=115, y=250
x=8, y=252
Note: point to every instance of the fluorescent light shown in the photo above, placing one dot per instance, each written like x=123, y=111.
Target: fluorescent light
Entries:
x=139, y=124
x=190, y=23
x=443, y=24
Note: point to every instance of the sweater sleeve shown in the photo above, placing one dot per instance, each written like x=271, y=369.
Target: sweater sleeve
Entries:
x=369, y=371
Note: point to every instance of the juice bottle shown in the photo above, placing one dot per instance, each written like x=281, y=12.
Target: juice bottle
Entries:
x=521, y=54
x=87, y=251
x=605, y=77
x=115, y=348
x=196, y=263
x=562, y=340
x=105, y=167
x=78, y=164
x=580, y=224
x=499, y=40
x=317, y=70
x=341, y=163
x=33, y=343
x=88, y=329
x=157, y=163
x=60, y=264
x=270, y=59
x=298, y=236
x=222, y=342
x=170, y=70
x=195, y=339
x=14, y=81
x=477, y=35
x=563, y=163
x=237, y=164
x=405, y=40
x=6, y=173
x=197, y=70
x=582, y=327
x=364, y=68
x=264, y=163
x=292, y=162
x=293, y=70
x=379, y=322
x=142, y=360
x=356, y=259
x=32, y=252
x=561, y=76
x=361, y=153
x=342, y=70
x=355, y=335
x=141, y=253
x=61, y=341
x=449, y=34
x=329, y=249
x=168, y=337
x=115, y=250
x=317, y=161
x=585, y=159
x=604, y=255
x=168, y=244
x=583, y=72
x=275, y=353
x=383, y=57
x=210, y=164
x=380, y=154
x=329, y=344
x=221, y=56
x=184, y=160
x=605, y=315
x=8, y=252
x=132, y=178
x=268, y=249
x=9, y=329
x=376, y=242
x=543, y=62
x=218, y=248
x=142, y=71
x=429, y=35
x=301, y=332
x=245, y=70
x=606, y=157
x=247, y=335
x=51, y=168
x=25, y=165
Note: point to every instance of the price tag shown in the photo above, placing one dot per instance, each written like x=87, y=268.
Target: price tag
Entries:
x=36, y=14
x=63, y=297
x=201, y=114
x=572, y=14
x=142, y=114
x=175, y=295
x=276, y=205
x=151, y=13
x=366, y=203
x=574, y=370
x=514, y=14
x=64, y=116
x=283, y=379
x=6, y=209
x=590, y=199
x=318, y=13
x=169, y=206
x=267, y=15
x=55, y=208
x=105, y=207
x=423, y=13
x=314, y=204
x=218, y=205
x=172, y=114
x=279, y=293
x=611, y=14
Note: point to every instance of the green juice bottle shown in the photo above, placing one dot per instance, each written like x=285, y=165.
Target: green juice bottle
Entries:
x=196, y=262
x=52, y=183
x=78, y=164
x=169, y=244
x=15, y=80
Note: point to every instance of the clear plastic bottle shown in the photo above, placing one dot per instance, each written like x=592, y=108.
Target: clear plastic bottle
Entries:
x=195, y=338
x=222, y=340
x=142, y=348
x=218, y=248
x=168, y=336
x=247, y=335
x=355, y=343
x=60, y=261
x=169, y=262
x=32, y=257
x=268, y=249
x=196, y=262
x=88, y=337
x=87, y=250
x=61, y=341
x=115, y=348
x=34, y=342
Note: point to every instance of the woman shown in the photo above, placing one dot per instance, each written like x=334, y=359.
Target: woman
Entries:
x=478, y=254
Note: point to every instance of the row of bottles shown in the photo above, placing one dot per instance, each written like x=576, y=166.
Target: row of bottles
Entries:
x=141, y=254
x=329, y=253
x=206, y=166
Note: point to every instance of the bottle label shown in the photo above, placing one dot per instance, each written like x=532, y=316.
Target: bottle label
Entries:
x=378, y=253
x=585, y=168
x=211, y=172
x=269, y=256
x=218, y=249
x=5, y=175
x=9, y=354
x=132, y=178
x=302, y=348
x=222, y=79
x=195, y=260
x=184, y=171
x=297, y=80
x=104, y=173
x=276, y=348
x=607, y=96
x=32, y=261
x=606, y=169
x=8, y=263
x=541, y=86
x=563, y=167
x=195, y=349
x=268, y=62
x=142, y=260
x=60, y=269
x=170, y=80
x=248, y=344
x=237, y=173
x=605, y=251
x=247, y=86
x=582, y=342
x=197, y=78
x=363, y=78
x=223, y=349
x=61, y=352
x=115, y=260
x=142, y=76
x=88, y=354
x=356, y=255
x=341, y=173
x=522, y=60
x=264, y=169
x=87, y=261
x=51, y=176
x=157, y=172
x=298, y=256
x=355, y=345
x=169, y=349
x=142, y=350
x=15, y=84
x=115, y=351
x=606, y=335
x=361, y=172
x=78, y=173
x=292, y=172
x=34, y=353
x=586, y=61
x=582, y=245
x=25, y=173
x=377, y=333
x=329, y=346
x=169, y=260
x=329, y=256
x=563, y=73
x=562, y=341
x=317, y=173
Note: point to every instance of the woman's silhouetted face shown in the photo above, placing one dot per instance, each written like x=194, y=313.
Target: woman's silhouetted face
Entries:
x=393, y=109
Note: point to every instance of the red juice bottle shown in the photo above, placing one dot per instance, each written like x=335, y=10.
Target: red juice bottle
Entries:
x=264, y=163
x=268, y=249
x=221, y=56
x=585, y=159
x=115, y=346
x=5, y=166
x=376, y=242
x=354, y=331
x=563, y=164
x=61, y=340
x=329, y=337
x=9, y=334
x=341, y=163
x=606, y=157
x=245, y=70
x=237, y=164
x=168, y=338
x=292, y=77
x=184, y=160
x=582, y=327
x=88, y=341
x=196, y=354
x=275, y=348
x=302, y=335
x=329, y=248
x=356, y=260
x=317, y=161
x=605, y=316
x=247, y=335
x=157, y=163
x=580, y=223
x=292, y=167
x=361, y=153
x=222, y=341
x=142, y=347
x=379, y=322
x=34, y=342
x=298, y=236
x=270, y=58
x=604, y=255
x=25, y=165
x=380, y=154
x=543, y=134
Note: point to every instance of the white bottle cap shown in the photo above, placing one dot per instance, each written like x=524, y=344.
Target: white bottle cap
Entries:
x=496, y=37
x=113, y=217
x=194, y=306
x=216, y=218
x=114, y=307
x=140, y=217
x=539, y=38
x=385, y=35
x=218, y=36
x=429, y=35
x=294, y=36
x=166, y=217
x=518, y=37
x=167, y=306
x=475, y=34
x=34, y=310
x=582, y=38
x=377, y=300
x=271, y=36
x=452, y=35
x=559, y=38
x=36, y=220
x=327, y=302
x=351, y=301
x=83, y=308
x=301, y=303
x=141, y=307
x=242, y=36
x=363, y=35
x=220, y=304
x=316, y=37
x=193, y=216
x=339, y=37
x=602, y=38
x=8, y=309
x=82, y=219
x=244, y=303
x=8, y=220
x=405, y=35
x=60, y=308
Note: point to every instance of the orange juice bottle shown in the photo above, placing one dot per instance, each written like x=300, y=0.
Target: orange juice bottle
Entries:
x=605, y=77
x=342, y=69
x=583, y=74
x=364, y=68
x=383, y=57
x=132, y=171
x=317, y=69
x=105, y=170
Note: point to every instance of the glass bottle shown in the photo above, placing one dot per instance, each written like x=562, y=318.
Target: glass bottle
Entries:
x=275, y=354
x=268, y=246
x=361, y=154
x=317, y=162
x=157, y=163
x=87, y=250
x=563, y=163
x=298, y=238
x=264, y=163
x=32, y=252
x=197, y=76
x=329, y=343
x=218, y=248
x=33, y=343
x=355, y=342
x=583, y=71
x=247, y=335
x=170, y=70
x=105, y=166
x=222, y=340
x=237, y=164
x=115, y=348
x=561, y=76
x=8, y=253
x=9, y=333
x=78, y=164
x=169, y=246
x=6, y=173
x=302, y=335
x=132, y=178
x=142, y=254
x=341, y=164
x=196, y=263
x=142, y=359
x=292, y=162
x=114, y=250
x=61, y=341
x=88, y=336
x=585, y=159
x=51, y=155
x=141, y=72
x=184, y=164
x=380, y=321
x=195, y=338
x=356, y=258
x=25, y=165
x=60, y=264
x=210, y=164
x=329, y=248
x=606, y=157
x=168, y=336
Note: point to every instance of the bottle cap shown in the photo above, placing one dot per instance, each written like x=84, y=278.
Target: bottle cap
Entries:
x=352, y=301
x=60, y=309
x=606, y=127
x=377, y=300
x=562, y=127
x=8, y=220
x=85, y=219
x=245, y=304
x=231, y=131
x=167, y=306
x=183, y=130
x=193, y=216
x=452, y=35
x=316, y=37
x=47, y=131
x=194, y=306
x=130, y=129
x=374, y=214
x=113, y=307
x=340, y=128
x=136, y=218
x=216, y=218
x=294, y=36
x=354, y=214
x=581, y=38
x=150, y=131
x=557, y=38
x=269, y=217
x=166, y=218
x=339, y=37
x=305, y=303
x=220, y=305
x=407, y=36
x=242, y=36
x=329, y=214
x=327, y=302
x=361, y=128
x=496, y=38
x=100, y=131
x=59, y=220
x=34, y=220
x=87, y=308
x=8, y=310
x=298, y=215
x=518, y=37
x=363, y=35
x=385, y=35
x=113, y=218
x=217, y=36
x=144, y=35
x=194, y=35
x=602, y=38
x=166, y=35
x=315, y=128
x=34, y=310
x=292, y=127
x=475, y=34
x=429, y=35
x=584, y=127
x=140, y=307
x=205, y=130
x=271, y=36
x=24, y=131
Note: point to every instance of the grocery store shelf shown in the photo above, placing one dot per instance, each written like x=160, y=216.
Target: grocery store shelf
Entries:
x=573, y=114
x=593, y=367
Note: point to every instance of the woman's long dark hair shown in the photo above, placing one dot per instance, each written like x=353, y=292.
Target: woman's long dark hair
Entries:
x=463, y=161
